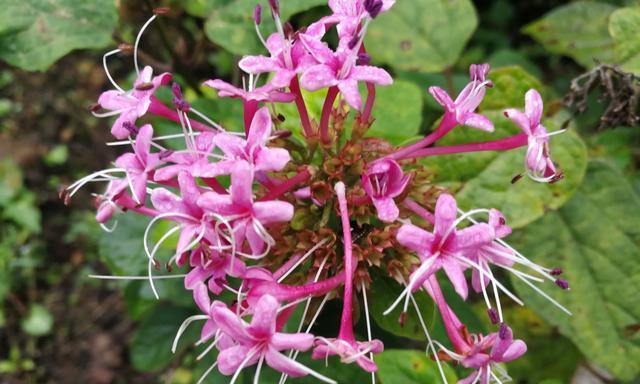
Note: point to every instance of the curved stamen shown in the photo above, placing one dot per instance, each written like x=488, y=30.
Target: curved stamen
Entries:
x=106, y=69
x=137, y=43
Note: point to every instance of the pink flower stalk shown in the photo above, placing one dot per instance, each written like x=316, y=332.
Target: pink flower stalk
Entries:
x=134, y=104
x=259, y=342
x=445, y=248
x=382, y=181
x=538, y=161
x=339, y=69
x=140, y=164
x=345, y=345
x=252, y=151
x=246, y=218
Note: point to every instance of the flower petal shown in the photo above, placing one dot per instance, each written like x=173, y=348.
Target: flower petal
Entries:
x=371, y=74
x=268, y=212
x=533, y=107
x=230, y=359
x=415, y=238
x=318, y=77
x=351, y=93
x=387, y=209
x=265, y=312
x=298, y=341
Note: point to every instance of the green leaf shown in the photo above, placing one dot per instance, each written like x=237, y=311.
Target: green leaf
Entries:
x=624, y=27
x=123, y=250
x=426, y=36
x=595, y=239
x=617, y=145
x=232, y=27
x=579, y=30
x=38, y=322
x=385, y=291
x=399, y=113
x=410, y=367
x=42, y=31
x=150, y=348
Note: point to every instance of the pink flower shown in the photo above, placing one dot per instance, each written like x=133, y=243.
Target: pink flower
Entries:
x=247, y=218
x=253, y=150
x=538, y=161
x=140, y=164
x=383, y=180
x=462, y=109
x=211, y=266
x=266, y=93
x=349, y=352
x=187, y=160
x=133, y=104
x=106, y=202
x=259, y=341
x=194, y=223
x=286, y=60
x=339, y=69
x=348, y=14
x=446, y=247
x=480, y=358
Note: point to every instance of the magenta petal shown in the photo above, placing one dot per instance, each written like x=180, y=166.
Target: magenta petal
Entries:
x=143, y=141
x=260, y=128
x=455, y=273
x=387, y=209
x=272, y=159
x=351, y=93
x=533, y=107
x=258, y=64
x=367, y=364
x=446, y=213
x=515, y=350
x=298, y=341
x=231, y=324
x=201, y=297
x=472, y=237
x=318, y=77
x=256, y=241
x=242, y=185
x=165, y=201
x=520, y=119
x=265, y=312
x=442, y=97
x=478, y=121
x=268, y=212
x=283, y=364
x=371, y=74
x=229, y=360
x=415, y=238
x=214, y=202
x=196, y=276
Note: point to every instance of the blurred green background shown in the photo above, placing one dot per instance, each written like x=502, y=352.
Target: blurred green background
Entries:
x=59, y=326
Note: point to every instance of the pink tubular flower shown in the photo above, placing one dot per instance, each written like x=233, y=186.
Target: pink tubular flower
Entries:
x=259, y=341
x=140, y=164
x=266, y=93
x=247, y=218
x=462, y=109
x=286, y=61
x=382, y=181
x=187, y=160
x=339, y=69
x=479, y=357
x=252, y=151
x=538, y=162
x=133, y=104
x=446, y=247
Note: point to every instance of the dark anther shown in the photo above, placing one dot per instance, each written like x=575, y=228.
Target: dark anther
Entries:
x=257, y=14
x=288, y=30
x=275, y=7
x=516, y=178
x=281, y=118
x=161, y=11
x=126, y=48
x=129, y=126
x=556, y=272
x=165, y=154
x=562, y=284
x=156, y=264
x=504, y=331
x=282, y=134
x=502, y=221
x=558, y=176
x=354, y=42
x=95, y=107
x=169, y=267
x=493, y=315
x=403, y=318
x=363, y=59
x=373, y=7
x=144, y=86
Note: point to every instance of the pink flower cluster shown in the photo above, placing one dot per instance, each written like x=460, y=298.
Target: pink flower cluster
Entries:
x=230, y=195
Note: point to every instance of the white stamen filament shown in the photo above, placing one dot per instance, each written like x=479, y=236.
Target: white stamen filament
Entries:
x=137, y=43
x=133, y=278
x=303, y=258
x=183, y=327
x=368, y=322
x=106, y=69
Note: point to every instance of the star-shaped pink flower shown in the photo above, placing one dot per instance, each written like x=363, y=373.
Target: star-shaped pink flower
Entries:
x=382, y=181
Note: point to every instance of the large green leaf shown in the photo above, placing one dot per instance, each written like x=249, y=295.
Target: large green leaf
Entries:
x=595, y=239
x=427, y=35
x=410, y=367
x=150, y=348
x=398, y=112
x=122, y=250
x=624, y=27
x=385, y=291
x=231, y=26
x=42, y=31
x=579, y=30
x=483, y=179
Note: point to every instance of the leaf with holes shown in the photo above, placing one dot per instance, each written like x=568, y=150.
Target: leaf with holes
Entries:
x=36, y=33
x=579, y=30
x=426, y=36
x=595, y=239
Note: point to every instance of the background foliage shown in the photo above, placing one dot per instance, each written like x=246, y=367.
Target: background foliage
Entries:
x=55, y=323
